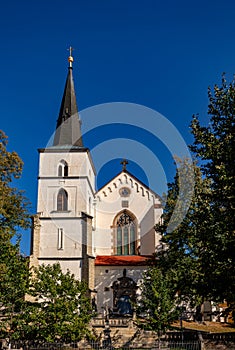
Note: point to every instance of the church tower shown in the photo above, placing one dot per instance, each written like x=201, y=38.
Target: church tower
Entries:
x=62, y=230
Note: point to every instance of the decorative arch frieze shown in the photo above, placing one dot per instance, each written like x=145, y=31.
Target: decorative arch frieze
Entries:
x=131, y=182
x=142, y=191
x=136, y=187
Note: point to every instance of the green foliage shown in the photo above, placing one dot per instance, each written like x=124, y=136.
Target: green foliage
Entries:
x=13, y=216
x=215, y=147
x=13, y=275
x=13, y=205
x=13, y=285
x=57, y=309
x=200, y=252
x=188, y=255
x=158, y=301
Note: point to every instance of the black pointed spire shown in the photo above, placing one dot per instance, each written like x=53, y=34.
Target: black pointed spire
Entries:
x=68, y=128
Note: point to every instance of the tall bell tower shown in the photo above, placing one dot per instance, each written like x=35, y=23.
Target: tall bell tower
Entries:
x=62, y=230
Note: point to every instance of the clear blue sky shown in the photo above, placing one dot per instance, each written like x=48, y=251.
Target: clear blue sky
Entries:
x=160, y=54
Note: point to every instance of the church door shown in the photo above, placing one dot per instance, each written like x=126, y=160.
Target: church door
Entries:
x=124, y=294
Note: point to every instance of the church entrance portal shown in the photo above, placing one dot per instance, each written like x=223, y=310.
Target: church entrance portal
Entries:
x=124, y=294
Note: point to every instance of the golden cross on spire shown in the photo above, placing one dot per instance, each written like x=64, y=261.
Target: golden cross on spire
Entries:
x=124, y=163
x=70, y=59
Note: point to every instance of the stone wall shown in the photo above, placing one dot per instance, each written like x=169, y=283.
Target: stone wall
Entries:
x=218, y=345
x=218, y=341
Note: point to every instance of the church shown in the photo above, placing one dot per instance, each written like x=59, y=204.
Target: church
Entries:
x=103, y=236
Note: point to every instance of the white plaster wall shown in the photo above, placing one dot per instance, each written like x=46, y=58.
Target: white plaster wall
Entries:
x=72, y=233
x=104, y=278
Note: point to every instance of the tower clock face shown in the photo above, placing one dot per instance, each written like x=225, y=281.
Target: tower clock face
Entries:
x=124, y=192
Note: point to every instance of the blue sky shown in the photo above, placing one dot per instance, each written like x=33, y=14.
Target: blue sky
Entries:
x=159, y=54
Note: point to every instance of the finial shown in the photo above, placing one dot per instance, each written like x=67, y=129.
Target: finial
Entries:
x=124, y=163
x=70, y=58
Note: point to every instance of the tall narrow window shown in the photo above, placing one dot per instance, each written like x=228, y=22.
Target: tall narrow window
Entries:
x=63, y=169
x=60, y=243
x=119, y=240
x=126, y=240
x=62, y=200
x=66, y=170
x=60, y=170
x=89, y=208
x=125, y=229
x=132, y=239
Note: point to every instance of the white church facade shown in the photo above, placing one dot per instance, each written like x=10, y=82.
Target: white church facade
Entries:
x=103, y=236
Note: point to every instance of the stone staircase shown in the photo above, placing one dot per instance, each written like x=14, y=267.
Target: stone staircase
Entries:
x=122, y=332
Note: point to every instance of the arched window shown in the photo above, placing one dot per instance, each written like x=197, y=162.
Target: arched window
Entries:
x=63, y=168
x=62, y=200
x=125, y=228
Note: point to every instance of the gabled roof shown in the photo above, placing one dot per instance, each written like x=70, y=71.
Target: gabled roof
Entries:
x=68, y=128
x=121, y=260
x=124, y=171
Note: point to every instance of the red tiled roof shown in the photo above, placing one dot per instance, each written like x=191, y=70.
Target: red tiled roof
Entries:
x=121, y=260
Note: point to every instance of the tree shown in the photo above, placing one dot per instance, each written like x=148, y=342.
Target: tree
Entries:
x=57, y=309
x=187, y=255
x=201, y=249
x=158, y=301
x=13, y=284
x=13, y=217
x=13, y=205
x=214, y=146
